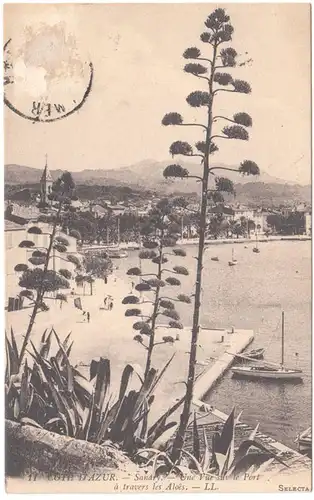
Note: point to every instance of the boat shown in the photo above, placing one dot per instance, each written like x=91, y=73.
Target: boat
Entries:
x=233, y=261
x=256, y=249
x=304, y=440
x=253, y=354
x=268, y=370
x=216, y=259
x=116, y=253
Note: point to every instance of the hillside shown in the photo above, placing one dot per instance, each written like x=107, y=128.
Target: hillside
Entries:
x=147, y=175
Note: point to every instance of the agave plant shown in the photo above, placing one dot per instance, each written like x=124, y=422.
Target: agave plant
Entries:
x=52, y=394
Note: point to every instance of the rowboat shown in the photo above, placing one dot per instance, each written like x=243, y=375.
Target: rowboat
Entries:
x=253, y=354
x=116, y=253
x=304, y=440
x=215, y=259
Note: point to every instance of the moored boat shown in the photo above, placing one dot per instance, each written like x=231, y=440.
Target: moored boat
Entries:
x=253, y=354
x=216, y=259
x=304, y=440
x=116, y=253
x=268, y=370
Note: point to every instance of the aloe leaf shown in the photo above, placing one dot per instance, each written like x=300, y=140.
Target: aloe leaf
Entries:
x=14, y=345
x=206, y=457
x=102, y=382
x=254, y=432
x=250, y=460
x=30, y=421
x=245, y=446
x=104, y=424
x=16, y=409
x=24, y=389
x=65, y=359
x=193, y=460
x=159, y=432
x=52, y=421
x=161, y=421
x=14, y=361
x=196, y=440
x=145, y=389
x=87, y=425
x=226, y=436
x=160, y=375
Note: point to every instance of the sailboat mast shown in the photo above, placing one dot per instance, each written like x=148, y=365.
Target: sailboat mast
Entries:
x=282, y=338
x=118, y=230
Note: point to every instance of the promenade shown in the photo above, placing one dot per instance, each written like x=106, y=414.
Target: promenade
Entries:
x=110, y=334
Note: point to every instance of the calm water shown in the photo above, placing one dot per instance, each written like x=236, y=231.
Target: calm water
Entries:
x=252, y=295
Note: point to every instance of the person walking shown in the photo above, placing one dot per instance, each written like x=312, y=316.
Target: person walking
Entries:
x=88, y=317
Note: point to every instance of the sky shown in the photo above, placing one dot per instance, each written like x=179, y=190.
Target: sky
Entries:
x=136, y=52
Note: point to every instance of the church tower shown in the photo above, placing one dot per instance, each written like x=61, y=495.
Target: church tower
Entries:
x=46, y=182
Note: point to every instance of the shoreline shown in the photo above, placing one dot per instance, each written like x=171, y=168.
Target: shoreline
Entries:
x=232, y=241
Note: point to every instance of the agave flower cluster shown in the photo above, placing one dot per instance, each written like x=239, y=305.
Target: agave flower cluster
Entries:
x=160, y=233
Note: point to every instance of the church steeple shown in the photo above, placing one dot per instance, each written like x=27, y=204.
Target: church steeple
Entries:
x=46, y=182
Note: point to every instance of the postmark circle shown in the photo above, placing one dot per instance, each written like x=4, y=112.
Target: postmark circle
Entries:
x=45, y=78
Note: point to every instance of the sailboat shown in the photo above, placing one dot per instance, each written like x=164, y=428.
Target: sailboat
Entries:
x=269, y=370
x=233, y=261
x=256, y=249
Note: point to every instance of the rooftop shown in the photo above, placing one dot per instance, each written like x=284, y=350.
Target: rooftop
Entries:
x=13, y=226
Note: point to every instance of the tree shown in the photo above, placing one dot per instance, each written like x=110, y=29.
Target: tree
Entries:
x=95, y=266
x=160, y=231
x=219, y=31
x=44, y=280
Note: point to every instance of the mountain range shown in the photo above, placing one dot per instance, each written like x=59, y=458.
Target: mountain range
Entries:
x=148, y=174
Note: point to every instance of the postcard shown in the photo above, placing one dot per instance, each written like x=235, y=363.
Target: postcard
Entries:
x=158, y=228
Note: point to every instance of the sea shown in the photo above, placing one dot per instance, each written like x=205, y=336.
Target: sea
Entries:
x=252, y=295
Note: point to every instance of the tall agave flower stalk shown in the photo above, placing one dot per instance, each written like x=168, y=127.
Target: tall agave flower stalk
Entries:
x=160, y=233
x=212, y=71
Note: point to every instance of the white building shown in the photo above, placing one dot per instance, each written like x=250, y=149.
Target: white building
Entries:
x=308, y=223
x=14, y=254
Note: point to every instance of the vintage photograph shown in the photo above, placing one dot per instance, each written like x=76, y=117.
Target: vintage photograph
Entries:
x=157, y=247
